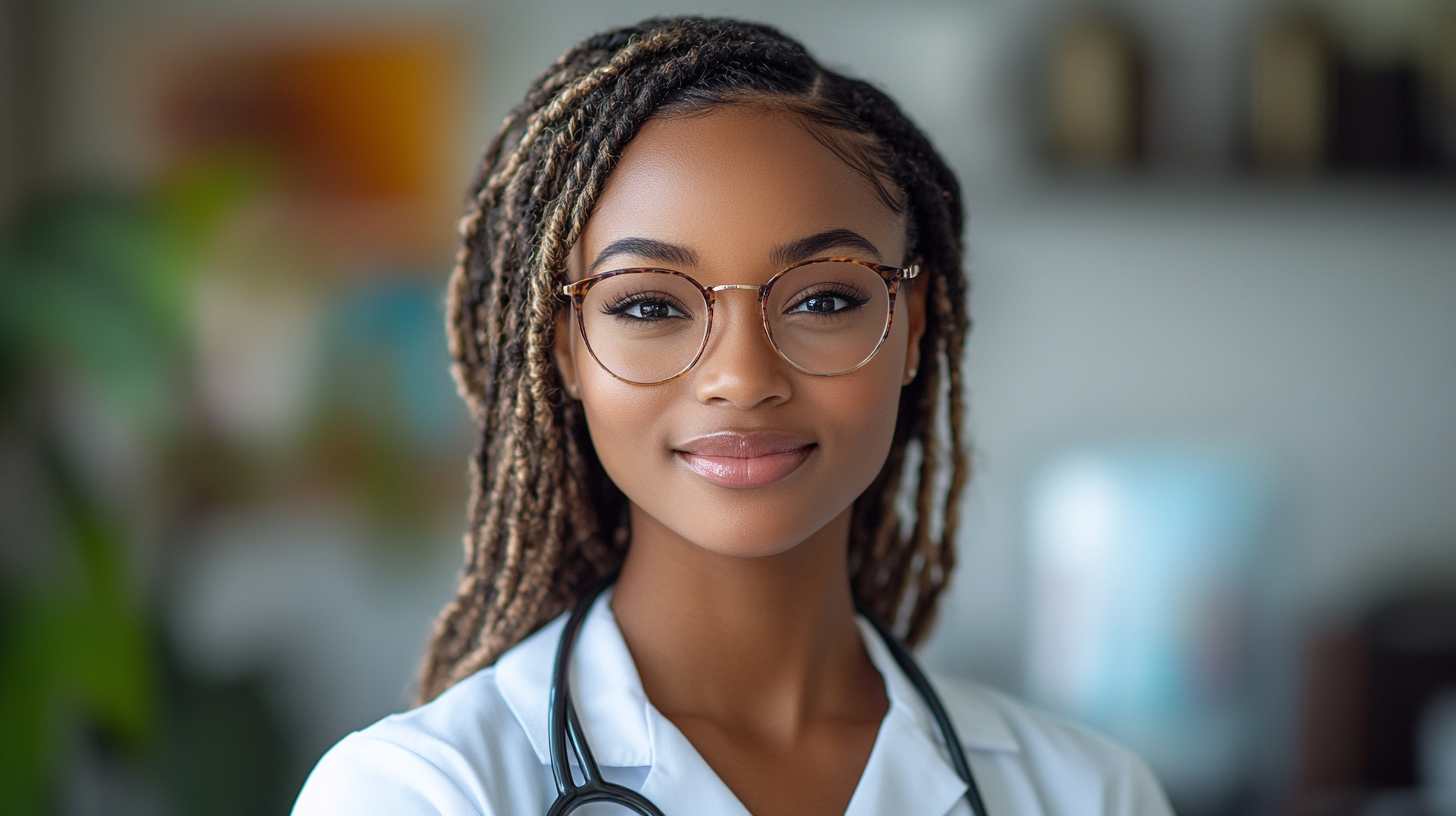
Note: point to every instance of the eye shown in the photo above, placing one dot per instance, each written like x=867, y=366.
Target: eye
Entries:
x=645, y=306
x=826, y=301
x=651, y=310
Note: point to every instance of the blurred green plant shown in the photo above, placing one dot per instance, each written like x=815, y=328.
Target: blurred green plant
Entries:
x=72, y=649
x=93, y=293
x=97, y=304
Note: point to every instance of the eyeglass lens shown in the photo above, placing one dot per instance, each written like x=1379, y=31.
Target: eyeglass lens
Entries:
x=825, y=318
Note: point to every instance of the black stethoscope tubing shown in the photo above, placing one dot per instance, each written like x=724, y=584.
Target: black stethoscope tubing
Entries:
x=565, y=729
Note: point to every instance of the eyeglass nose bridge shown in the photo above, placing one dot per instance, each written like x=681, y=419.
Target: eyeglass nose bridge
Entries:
x=712, y=292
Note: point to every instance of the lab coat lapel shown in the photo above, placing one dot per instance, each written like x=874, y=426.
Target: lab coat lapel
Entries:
x=622, y=727
x=909, y=771
x=906, y=774
x=991, y=748
x=604, y=685
x=681, y=783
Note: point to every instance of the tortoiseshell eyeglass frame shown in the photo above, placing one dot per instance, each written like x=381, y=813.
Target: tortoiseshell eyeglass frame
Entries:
x=891, y=275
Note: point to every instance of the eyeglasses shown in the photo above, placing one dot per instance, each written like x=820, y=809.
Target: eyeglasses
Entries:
x=825, y=317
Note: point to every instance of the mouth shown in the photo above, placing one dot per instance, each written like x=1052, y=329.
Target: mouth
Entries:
x=744, y=460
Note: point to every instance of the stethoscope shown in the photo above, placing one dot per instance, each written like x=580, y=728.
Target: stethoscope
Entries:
x=565, y=728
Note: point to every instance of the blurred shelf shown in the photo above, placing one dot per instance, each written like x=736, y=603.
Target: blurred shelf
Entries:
x=1421, y=208
x=1193, y=186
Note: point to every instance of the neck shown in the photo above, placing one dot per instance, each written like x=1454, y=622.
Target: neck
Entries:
x=767, y=644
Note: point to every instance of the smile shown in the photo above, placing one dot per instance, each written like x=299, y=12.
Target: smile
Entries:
x=744, y=460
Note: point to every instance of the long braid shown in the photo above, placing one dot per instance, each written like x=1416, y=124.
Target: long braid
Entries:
x=545, y=522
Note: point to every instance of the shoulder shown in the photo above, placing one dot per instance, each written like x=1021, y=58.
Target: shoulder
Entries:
x=462, y=754
x=1062, y=765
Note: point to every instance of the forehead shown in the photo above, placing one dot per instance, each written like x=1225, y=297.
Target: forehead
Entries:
x=735, y=180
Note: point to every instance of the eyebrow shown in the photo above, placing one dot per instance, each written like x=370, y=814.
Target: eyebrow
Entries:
x=799, y=249
x=649, y=248
x=802, y=249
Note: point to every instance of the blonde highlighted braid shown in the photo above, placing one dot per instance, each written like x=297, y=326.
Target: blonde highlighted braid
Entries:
x=545, y=522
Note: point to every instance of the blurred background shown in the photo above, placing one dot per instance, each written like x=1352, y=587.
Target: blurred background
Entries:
x=1213, y=376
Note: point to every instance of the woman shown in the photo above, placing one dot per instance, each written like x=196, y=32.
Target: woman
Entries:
x=709, y=314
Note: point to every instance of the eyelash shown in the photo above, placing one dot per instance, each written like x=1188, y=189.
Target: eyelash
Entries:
x=855, y=297
x=625, y=302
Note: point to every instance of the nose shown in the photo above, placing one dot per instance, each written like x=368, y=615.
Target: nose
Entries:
x=740, y=368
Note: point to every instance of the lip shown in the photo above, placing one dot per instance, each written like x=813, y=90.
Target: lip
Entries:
x=745, y=459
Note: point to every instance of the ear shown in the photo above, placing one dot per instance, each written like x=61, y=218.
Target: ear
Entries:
x=914, y=298
x=563, y=346
x=564, y=352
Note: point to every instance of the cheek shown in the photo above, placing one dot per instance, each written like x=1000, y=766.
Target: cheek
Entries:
x=630, y=432
x=630, y=425
x=860, y=410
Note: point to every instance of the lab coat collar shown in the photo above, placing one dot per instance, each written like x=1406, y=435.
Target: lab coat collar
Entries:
x=977, y=722
x=605, y=687
x=908, y=771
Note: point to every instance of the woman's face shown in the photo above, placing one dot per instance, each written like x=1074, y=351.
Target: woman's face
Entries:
x=744, y=454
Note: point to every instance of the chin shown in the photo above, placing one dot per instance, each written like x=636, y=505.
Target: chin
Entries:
x=739, y=548
x=758, y=533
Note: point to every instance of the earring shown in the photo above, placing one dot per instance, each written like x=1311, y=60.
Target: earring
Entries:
x=910, y=376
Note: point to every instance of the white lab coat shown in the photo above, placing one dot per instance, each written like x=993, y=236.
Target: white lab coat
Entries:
x=480, y=749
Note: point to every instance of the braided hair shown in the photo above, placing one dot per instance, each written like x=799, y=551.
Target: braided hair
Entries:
x=545, y=521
